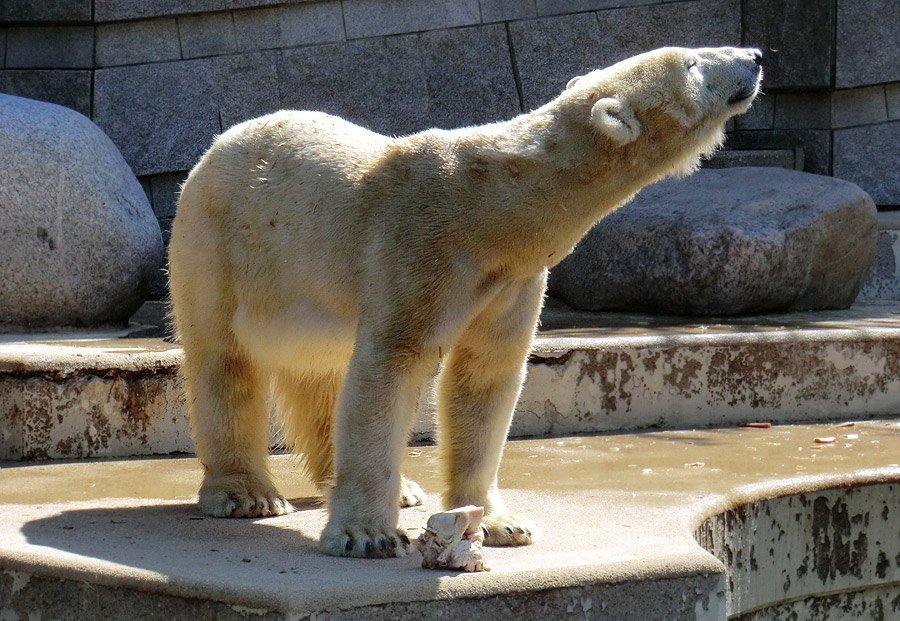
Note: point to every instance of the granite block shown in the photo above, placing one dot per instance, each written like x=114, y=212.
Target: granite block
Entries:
x=736, y=158
x=45, y=11
x=117, y=10
x=130, y=43
x=868, y=37
x=507, y=10
x=65, y=87
x=209, y=34
x=552, y=50
x=371, y=18
x=802, y=111
x=164, y=191
x=796, y=39
x=164, y=115
x=469, y=76
x=892, y=92
x=814, y=143
x=50, y=47
x=760, y=116
x=288, y=26
x=700, y=23
x=562, y=7
x=858, y=106
x=377, y=83
x=868, y=156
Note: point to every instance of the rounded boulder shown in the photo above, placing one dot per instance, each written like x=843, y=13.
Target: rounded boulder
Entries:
x=79, y=243
x=725, y=242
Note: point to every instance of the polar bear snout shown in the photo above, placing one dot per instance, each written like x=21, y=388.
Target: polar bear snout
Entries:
x=731, y=74
x=748, y=85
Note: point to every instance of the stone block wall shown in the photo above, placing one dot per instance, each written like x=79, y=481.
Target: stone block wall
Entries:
x=162, y=77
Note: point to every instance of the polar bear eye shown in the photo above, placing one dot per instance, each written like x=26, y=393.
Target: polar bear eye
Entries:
x=694, y=69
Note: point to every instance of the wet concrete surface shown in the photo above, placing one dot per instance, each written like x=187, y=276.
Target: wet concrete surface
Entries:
x=618, y=509
x=713, y=461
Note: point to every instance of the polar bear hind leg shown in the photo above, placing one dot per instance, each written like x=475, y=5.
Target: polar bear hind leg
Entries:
x=225, y=390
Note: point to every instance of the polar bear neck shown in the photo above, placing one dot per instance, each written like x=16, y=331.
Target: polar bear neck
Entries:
x=546, y=179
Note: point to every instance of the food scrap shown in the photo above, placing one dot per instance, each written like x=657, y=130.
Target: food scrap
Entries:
x=453, y=540
x=756, y=425
x=828, y=440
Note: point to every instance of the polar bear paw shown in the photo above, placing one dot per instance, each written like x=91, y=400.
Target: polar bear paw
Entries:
x=363, y=542
x=507, y=530
x=411, y=495
x=240, y=496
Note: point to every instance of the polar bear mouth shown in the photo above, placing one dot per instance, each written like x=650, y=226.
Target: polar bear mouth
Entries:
x=742, y=95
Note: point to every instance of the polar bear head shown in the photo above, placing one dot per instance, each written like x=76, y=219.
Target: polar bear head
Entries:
x=668, y=106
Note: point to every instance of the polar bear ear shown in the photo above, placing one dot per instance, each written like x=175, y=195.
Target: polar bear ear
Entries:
x=573, y=81
x=615, y=120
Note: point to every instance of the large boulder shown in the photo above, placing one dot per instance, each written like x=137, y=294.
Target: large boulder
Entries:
x=79, y=244
x=731, y=241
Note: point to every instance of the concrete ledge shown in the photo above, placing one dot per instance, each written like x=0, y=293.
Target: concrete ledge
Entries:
x=83, y=395
x=617, y=514
x=829, y=554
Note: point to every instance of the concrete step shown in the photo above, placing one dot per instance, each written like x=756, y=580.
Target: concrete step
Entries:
x=794, y=525
x=104, y=395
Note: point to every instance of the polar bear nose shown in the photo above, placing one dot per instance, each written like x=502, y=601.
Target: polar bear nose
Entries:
x=756, y=55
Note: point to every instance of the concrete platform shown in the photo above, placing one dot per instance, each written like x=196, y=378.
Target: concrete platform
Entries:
x=101, y=394
x=619, y=516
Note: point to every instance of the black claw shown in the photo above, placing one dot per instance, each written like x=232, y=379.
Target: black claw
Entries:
x=383, y=544
x=520, y=531
x=404, y=539
x=349, y=545
x=508, y=530
x=370, y=549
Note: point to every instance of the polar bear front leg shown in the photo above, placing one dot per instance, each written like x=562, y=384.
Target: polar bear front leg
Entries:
x=479, y=387
x=374, y=413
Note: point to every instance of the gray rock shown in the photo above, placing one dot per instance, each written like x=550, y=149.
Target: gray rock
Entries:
x=722, y=242
x=868, y=36
x=868, y=156
x=79, y=243
x=796, y=38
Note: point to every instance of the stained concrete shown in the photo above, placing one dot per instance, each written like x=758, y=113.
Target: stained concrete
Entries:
x=617, y=513
x=102, y=395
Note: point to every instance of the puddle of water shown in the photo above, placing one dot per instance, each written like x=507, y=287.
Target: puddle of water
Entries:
x=675, y=463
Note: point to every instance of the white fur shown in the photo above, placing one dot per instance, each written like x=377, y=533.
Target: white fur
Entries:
x=349, y=266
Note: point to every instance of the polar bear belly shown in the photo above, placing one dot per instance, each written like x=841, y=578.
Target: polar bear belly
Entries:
x=304, y=338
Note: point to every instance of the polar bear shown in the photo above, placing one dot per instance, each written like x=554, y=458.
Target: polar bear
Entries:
x=343, y=268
